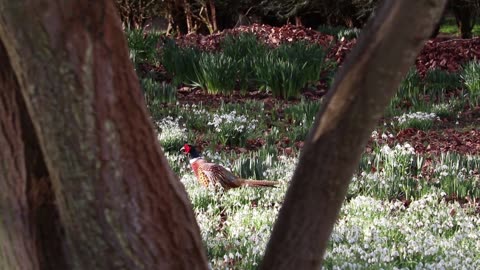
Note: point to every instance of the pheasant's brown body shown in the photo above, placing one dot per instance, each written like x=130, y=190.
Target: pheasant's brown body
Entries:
x=210, y=173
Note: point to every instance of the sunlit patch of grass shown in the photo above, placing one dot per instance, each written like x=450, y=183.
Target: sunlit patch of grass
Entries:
x=449, y=26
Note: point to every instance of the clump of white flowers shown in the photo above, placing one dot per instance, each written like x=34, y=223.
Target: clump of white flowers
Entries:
x=171, y=136
x=239, y=122
x=232, y=128
x=381, y=138
x=389, y=172
x=417, y=116
x=429, y=234
x=442, y=109
x=418, y=120
x=399, y=149
x=195, y=109
x=283, y=170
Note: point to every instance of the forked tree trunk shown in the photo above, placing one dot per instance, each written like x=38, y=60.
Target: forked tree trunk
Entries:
x=84, y=184
x=362, y=89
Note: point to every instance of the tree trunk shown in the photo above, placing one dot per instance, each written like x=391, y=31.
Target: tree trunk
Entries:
x=213, y=13
x=362, y=89
x=465, y=17
x=188, y=16
x=170, y=24
x=28, y=217
x=83, y=179
x=298, y=21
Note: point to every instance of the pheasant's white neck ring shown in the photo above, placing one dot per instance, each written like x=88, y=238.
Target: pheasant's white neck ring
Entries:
x=193, y=160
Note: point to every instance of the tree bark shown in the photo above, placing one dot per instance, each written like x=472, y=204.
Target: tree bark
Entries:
x=213, y=11
x=298, y=21
x=465, y=17
x=28, y=217
x=361, y=91
x=188, y=16
x=117, y=205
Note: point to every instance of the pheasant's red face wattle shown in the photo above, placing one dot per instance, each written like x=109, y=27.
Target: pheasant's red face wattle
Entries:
x=186, y=147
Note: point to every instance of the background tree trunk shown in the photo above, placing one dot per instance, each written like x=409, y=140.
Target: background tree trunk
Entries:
x=465, y=17
x=117, y=204
x=363, y=87
x=188, y=16
x=213, y=11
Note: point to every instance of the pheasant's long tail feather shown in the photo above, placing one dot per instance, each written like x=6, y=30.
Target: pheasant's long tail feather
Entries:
x=259, y=183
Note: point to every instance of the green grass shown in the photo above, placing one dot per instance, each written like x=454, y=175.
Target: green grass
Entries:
x=157, y=92
x=245, y=62
x=471, y=77
x=433, y=93
x=339, y=31
x=449, y=26
x=287, y=69
x=143, y=46
x=216, y=73
x=244, y=49
x=180, y=63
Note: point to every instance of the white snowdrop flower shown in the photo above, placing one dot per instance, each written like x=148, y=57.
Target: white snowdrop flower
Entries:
x=385, y=150
x=418, y=116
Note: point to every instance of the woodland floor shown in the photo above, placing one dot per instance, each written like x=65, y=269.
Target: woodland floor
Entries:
x=459, y=135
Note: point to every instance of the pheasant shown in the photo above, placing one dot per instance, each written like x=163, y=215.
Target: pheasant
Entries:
x=211, y=173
